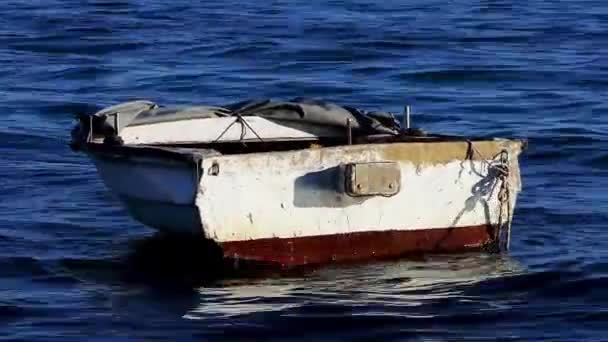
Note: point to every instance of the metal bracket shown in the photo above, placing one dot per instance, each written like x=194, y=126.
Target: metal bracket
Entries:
x=116, y=122
x=90, y=134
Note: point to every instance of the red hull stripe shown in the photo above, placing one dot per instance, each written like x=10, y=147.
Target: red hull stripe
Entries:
x=358, y=246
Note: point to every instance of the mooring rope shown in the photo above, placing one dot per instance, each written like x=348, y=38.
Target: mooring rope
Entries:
x=504, y=194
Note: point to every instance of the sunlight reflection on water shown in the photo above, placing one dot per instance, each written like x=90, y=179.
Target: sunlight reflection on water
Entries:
x=404, y=283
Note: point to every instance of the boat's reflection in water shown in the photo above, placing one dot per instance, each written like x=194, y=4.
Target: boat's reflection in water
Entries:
x=404, y=287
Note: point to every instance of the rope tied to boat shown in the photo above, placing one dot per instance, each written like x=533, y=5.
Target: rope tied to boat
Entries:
x=498, y=168
x=504, y=197
x=244, y=126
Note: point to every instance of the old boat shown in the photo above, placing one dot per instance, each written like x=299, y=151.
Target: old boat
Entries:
x=303, y=181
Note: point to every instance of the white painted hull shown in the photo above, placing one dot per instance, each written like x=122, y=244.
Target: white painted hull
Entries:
x=290, y=195
x=158, y=192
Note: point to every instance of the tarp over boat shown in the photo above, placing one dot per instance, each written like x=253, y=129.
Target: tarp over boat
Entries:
x=301, y=111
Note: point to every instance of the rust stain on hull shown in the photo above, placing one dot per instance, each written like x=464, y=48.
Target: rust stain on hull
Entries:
x=417, y=153
x=312, y=250
x=443, y=152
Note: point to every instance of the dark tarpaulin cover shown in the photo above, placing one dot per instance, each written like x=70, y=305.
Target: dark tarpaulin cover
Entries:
x=304, y=111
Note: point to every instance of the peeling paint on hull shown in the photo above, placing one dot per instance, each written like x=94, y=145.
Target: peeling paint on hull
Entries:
x=296, y=194
x=312, y=250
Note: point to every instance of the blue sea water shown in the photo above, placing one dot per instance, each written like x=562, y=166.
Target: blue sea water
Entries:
x=75, y=266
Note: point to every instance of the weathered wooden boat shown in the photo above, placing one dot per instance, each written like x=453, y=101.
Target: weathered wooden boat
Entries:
x=303, y=181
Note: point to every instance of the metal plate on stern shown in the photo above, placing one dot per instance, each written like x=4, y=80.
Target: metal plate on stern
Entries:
x=372, y=179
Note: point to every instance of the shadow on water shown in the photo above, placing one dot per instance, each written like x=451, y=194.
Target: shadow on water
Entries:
x=189, y=262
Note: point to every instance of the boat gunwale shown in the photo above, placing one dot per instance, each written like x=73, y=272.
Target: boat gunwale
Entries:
x=189, y=153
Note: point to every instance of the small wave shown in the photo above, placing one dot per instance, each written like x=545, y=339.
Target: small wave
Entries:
x=78, y=73
x=599, y=162
x=22, y=267
x=11, y=139
x=460, y=75
x=391, y=44
x=69, y=108
x=89, y=30
x=588, y=317
x=570, y=132
x=497, y=38
x=369, y=70
x=593, y=83
x=12, y=312
x=65, y=47
x=598, y=267
x=520, y=283
x=243, y=50
x=587, y=286
x=110, y=4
